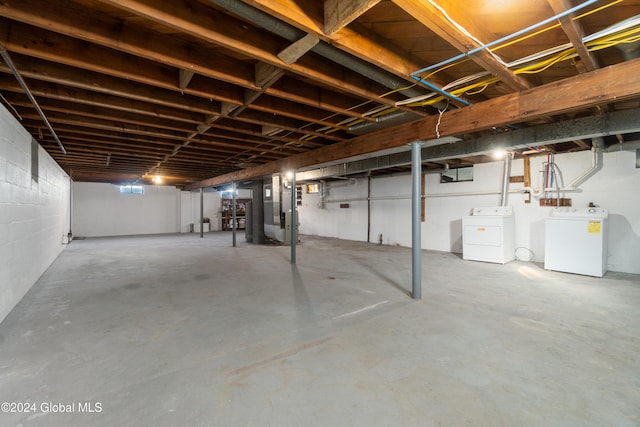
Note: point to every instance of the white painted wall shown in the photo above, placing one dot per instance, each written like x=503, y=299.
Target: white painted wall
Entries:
x=191, y=209
x=333, y=221
x=615, y=187
x=34, y=214
x=101, y=210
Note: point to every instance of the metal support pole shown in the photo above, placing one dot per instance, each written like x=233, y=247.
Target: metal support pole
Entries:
x=201, y=212
x=233, y=212
x=416, y=241
x=294, y=219
x=369, y=207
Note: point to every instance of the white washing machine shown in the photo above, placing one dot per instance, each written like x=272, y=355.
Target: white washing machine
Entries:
x=576, y=241
x=489, y=235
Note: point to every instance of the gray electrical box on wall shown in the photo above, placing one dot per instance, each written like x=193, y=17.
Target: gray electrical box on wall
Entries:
x=638, y=158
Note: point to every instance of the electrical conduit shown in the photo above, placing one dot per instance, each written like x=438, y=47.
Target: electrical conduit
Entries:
x=506, y=38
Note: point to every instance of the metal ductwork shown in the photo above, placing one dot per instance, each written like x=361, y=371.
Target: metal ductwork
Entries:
x=276, y=199
x=596, y=162
x=629, y=50
x=623, y=146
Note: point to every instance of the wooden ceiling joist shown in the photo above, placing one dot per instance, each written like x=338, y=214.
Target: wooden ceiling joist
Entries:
x=574, y=31
x=433, y=18
x=187, y=87
x=612, y=83
x=339, y=13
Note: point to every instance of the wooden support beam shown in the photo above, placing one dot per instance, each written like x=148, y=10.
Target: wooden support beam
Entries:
x=45, y=90
x=574, y=31
x=581, y=143
x=40, y=72
x=72, y=52
x=166, y=49
x=106, y=56
x=431, y=17
x=206, y=25
x=613, y=83
x=340, y=13
x=294, y=51
x=308, y=16
x=69, y=110
x=267, y=74
x=184, y=78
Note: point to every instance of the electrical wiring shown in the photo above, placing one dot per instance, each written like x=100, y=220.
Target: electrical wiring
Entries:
x=627, y=31
x=527, y=36
x=440, y=113
x=554, y=26
x=600, y=40
x=539, y=55
x=477, y=91
x=544, y=65
x=608, y=37
x=462, y=29
x=523, y=248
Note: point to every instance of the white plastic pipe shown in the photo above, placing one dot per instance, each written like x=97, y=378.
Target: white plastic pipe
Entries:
x=505, y=179
x=596, y=163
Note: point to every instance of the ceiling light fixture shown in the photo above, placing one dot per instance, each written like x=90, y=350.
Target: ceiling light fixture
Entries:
x=498, y=153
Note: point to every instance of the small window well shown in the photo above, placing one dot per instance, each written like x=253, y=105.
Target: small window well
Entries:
x=457, y=175
x=131, y=189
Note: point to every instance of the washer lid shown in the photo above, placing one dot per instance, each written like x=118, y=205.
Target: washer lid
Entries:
x=496, y=211
x=579, y=212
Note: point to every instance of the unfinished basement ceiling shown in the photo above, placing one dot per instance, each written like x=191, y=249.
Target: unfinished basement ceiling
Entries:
x=192, y=90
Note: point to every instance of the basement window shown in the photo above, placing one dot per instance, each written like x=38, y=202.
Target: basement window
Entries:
x=457, y=175
x=313, y=188
x=131, y=189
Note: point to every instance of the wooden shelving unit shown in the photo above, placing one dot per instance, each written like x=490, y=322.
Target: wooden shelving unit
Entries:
x=227, y=213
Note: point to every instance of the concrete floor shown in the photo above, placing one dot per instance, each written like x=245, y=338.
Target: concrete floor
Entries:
x=183, y=331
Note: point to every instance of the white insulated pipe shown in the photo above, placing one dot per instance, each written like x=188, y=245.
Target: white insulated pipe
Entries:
x=505, y=179
x=596, y=163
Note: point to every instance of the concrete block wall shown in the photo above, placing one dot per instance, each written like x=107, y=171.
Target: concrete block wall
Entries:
x=614, y=187
x=34, y=211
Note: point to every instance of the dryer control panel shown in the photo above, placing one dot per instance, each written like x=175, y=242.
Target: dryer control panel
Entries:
x=580, y=212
